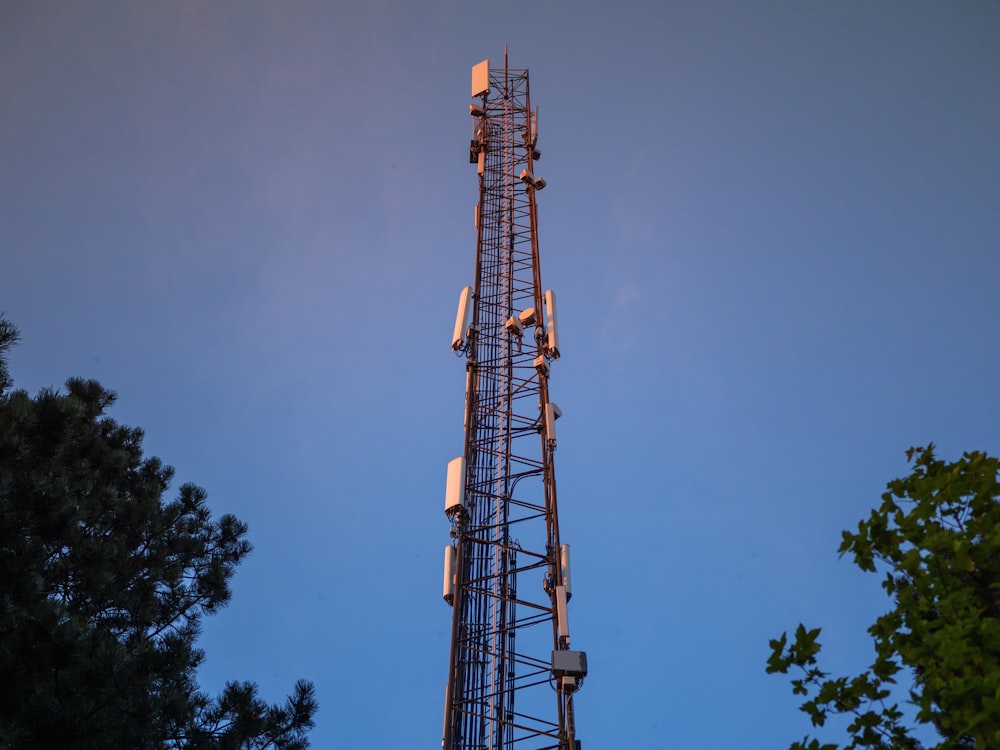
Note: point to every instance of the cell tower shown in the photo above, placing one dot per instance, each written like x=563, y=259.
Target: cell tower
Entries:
x=511, y=674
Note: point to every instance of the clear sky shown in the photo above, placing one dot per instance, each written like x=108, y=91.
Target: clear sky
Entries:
x=774, y=233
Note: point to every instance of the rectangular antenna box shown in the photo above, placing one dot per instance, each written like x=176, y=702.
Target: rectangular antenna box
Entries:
x=569, y=664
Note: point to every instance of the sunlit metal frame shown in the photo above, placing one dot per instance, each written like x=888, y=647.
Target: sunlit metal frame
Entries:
x=501, y=694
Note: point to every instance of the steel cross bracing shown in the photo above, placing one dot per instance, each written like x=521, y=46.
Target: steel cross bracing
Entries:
x=506, y=572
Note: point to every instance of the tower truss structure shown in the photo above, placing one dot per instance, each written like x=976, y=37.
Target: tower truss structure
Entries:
x=512, y=675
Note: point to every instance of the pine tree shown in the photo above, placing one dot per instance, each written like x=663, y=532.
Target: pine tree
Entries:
x=103, y=584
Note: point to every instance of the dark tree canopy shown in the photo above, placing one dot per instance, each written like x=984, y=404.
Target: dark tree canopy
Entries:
x=103, y=584
x=936, y=538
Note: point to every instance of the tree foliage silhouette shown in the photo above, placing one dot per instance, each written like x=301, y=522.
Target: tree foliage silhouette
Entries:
x=936, y=538
x=103, y=584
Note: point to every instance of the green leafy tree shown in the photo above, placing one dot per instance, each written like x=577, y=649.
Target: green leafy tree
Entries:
x=103, y=584
x=936, y=539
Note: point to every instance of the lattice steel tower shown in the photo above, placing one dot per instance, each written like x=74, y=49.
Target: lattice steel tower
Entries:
x=511, y=675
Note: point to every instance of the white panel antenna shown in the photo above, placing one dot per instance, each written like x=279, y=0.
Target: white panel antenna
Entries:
x=480, y=78
x=563, y=614
x=552, y=413
x=449, y=574
x=567, y=578
x=551, y=324
x=454, y=495
x=462, y=319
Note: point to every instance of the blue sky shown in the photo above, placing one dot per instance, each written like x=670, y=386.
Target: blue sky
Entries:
x=774, y=234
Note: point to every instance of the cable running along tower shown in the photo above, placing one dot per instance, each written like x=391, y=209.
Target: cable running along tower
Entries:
x=512, y=674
